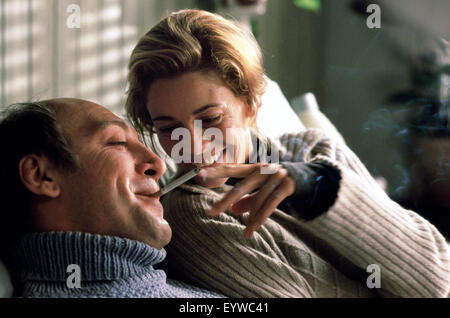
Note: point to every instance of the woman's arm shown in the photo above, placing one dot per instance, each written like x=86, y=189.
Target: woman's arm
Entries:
x=316, y=188
x=277, y=261
x=367, y=227
x=214, y=253
x=363, y=224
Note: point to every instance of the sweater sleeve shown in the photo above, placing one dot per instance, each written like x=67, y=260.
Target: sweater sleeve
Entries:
x=217, y=256
x=316, y=187
x=367, y=227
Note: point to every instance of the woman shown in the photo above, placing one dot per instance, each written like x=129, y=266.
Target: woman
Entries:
x=195, y=65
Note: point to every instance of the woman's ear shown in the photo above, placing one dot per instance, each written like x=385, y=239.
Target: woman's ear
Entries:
x=39, y=175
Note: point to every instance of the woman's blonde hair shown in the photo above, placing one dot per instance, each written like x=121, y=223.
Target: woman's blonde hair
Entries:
x=194, y=40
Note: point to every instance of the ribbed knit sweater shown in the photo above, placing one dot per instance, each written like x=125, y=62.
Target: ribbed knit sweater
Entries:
x=327, y=256
x=110, y=267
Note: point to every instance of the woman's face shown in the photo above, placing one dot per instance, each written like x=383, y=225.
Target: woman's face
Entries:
x=200, y=96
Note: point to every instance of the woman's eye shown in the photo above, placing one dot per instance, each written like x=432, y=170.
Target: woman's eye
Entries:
x=212, y=120
x=165, y=130
x=209, y=121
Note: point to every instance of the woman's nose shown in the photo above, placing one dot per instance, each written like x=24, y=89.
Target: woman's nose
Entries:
x=201, y=148
x=196, y=144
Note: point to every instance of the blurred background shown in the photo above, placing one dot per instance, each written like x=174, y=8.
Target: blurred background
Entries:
x=385, y=88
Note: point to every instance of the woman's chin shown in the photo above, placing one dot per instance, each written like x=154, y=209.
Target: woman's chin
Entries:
x=210, y=182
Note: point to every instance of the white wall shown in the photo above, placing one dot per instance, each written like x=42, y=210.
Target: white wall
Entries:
x=351, y=69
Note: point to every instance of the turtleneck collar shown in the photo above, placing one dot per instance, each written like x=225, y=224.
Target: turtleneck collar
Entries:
x=45, y=256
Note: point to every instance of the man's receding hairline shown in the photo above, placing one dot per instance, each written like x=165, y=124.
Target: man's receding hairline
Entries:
x=64, y=108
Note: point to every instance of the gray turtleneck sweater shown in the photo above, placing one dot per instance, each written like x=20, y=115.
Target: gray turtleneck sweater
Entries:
x=109, y=267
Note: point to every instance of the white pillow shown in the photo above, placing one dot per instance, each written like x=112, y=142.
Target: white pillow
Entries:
x=276, y=116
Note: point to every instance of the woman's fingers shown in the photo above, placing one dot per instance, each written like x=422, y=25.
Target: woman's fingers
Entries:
x=257, y=218
x=240, y=189
x=268, y=187
x=237, y=170
x=272, y=180
x=243, y=205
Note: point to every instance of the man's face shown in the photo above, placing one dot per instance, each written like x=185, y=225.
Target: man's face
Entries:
x=109, y=194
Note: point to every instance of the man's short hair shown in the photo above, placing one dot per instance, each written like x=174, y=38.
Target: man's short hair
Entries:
x=26, y=128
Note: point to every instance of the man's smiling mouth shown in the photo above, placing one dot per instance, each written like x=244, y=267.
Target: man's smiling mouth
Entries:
x=151, y=203
x=148, y=196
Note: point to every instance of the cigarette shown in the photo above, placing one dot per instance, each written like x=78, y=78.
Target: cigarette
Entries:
x=189, y=175
x=177, y=182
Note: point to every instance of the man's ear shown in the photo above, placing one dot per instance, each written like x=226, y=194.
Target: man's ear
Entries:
x=39, y=175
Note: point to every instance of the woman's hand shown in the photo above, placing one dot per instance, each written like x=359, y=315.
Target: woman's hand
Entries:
x=272, y=181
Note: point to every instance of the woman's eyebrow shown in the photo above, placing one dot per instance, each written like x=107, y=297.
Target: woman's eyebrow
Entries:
x=202, y=109
x=195, y=112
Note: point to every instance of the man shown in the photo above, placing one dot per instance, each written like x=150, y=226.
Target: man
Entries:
x=78, y=218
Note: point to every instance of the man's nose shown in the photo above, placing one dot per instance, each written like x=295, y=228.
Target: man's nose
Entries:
x=151, y=165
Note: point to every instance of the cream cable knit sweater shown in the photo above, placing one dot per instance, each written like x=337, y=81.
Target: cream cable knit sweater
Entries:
x=325, y=257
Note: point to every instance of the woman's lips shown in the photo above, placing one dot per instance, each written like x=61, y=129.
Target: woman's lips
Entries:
x=213, y=162
x=216, y=160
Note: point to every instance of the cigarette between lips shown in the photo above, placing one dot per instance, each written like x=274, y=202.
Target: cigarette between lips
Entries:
x=189, y=175
x=177, y=182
